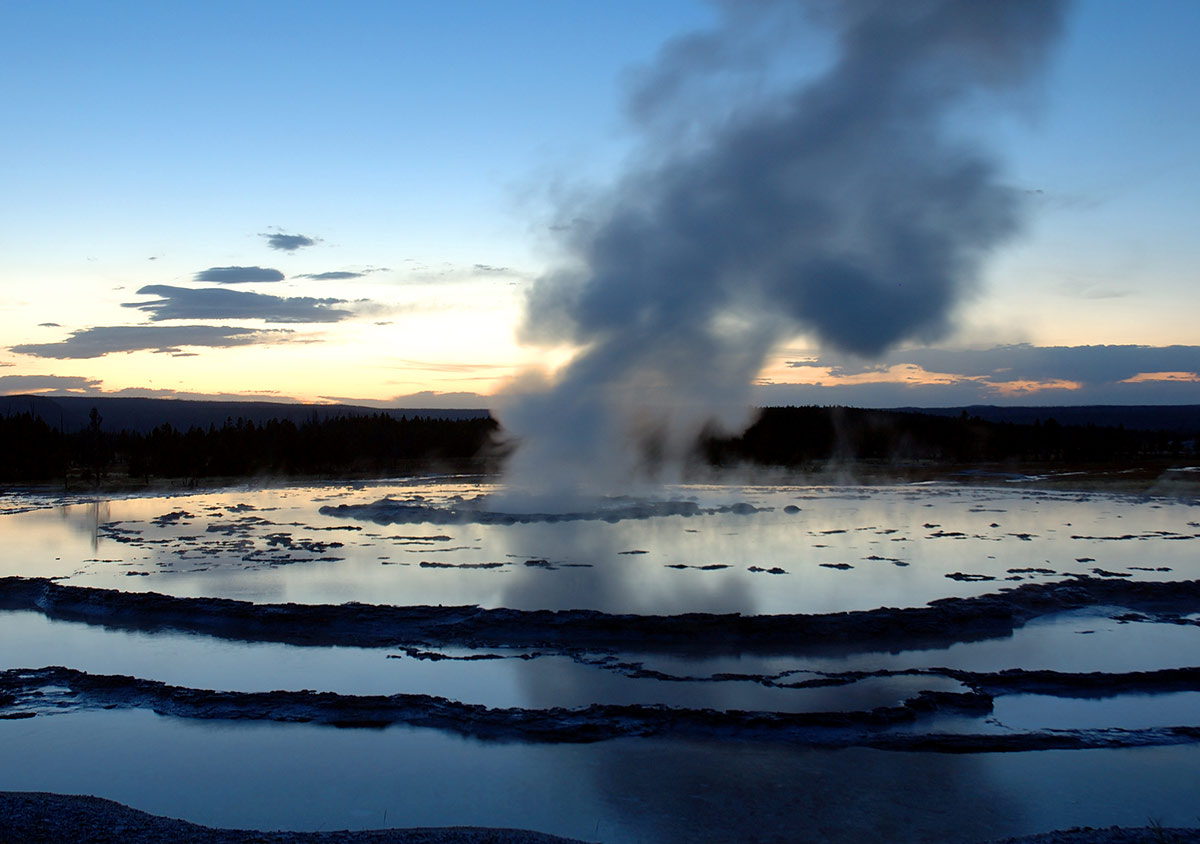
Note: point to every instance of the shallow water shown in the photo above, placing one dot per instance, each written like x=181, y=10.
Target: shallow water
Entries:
x=630, y=790
x=753, y=550
x=842, y=549
x=28, y=639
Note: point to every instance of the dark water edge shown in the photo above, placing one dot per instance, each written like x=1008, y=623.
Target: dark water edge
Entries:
x=31, y=817
x=312, y=778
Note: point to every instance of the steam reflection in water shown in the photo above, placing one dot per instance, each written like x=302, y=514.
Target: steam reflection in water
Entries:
x=303, y=777
x=795, y=549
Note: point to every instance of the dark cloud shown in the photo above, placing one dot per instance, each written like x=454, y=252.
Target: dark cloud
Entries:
x=288, y=242
x=331, y=276
x=40, y=383
x=216, y=303
x=962, y=393
x=426, y=399
x=49, y=325
x=239, y=275
x=1025, y=362
x=153, y=393
x=102, y=340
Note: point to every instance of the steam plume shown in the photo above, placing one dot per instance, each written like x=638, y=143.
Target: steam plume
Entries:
x=842, y=206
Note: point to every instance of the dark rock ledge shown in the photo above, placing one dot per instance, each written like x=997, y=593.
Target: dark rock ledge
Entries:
x=941, y=622
x=32, y=692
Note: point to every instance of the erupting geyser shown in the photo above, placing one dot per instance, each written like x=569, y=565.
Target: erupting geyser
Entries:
x=843, y=206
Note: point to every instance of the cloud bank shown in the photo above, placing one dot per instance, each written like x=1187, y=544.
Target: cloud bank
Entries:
x=239, y=275
x=215, y=303
x=1023, y=361
x=102, y=340
x=1015, y=374
x=39, y=383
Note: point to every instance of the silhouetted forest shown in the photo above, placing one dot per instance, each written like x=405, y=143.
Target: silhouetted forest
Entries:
x=379, y=444
x=802, y=436
x=369, y=445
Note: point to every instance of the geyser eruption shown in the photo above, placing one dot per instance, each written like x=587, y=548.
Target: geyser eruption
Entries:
x=843, y=206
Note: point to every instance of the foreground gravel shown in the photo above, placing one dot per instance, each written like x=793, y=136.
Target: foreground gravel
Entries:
x=29, y=817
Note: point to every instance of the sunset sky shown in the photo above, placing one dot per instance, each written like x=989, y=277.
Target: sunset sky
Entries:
x=348, y=203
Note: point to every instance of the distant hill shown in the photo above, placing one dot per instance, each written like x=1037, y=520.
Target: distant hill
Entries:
x=142, y=415
x=1179, y=419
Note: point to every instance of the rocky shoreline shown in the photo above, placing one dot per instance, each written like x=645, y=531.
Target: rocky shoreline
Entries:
x=31, y=817
x=28, y=693
x=948, y=620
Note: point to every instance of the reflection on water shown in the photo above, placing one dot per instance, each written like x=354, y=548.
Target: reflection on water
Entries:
x=790, y=550
x=1078, y=641
x=794, y=549
x=630, y=790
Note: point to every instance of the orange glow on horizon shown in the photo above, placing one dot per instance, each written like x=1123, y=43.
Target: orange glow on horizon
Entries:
x=910, y=375
x=1142, y=377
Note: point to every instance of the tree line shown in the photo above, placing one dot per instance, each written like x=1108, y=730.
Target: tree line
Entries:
x=33, y=451
x=803, y=436
x=375, y=445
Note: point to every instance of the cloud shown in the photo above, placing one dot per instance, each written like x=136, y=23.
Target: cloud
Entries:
x=238, y=275
x=963, y=393
x=1023, y=361
x=102, y=340
x=1016, y=374
x=288, y=242
x=1188, y=377
x=215, y=303
x=38, y=383
x=331, y=276
x=49, y=325
x=488, y=269
x=485, y=369
x=155, y=393
x=431, y=399
x=448, y=272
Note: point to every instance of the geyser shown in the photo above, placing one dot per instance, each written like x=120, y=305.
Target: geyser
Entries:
x=843, y=206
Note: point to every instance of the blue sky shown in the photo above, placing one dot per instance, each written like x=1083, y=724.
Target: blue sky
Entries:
x=422, y=153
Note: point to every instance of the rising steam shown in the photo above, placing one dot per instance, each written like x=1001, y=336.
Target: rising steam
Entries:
x=843, y=206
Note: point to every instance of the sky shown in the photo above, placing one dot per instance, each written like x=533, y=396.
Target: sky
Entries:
x=353, y=203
